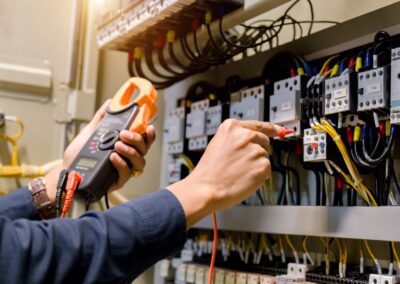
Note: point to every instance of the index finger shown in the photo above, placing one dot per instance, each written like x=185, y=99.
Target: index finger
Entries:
x=267, y=128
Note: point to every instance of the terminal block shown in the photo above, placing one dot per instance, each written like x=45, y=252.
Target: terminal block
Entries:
x=296, y=273
x=314, y=145
x=196, y=125
x=395, y=87
x=248, y=104
x=340, y=94
x=285, y=108
x=174, y=129
x=383, y=279
x=373, y=89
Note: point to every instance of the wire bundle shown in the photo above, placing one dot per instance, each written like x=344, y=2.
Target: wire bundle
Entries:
x=218, y=49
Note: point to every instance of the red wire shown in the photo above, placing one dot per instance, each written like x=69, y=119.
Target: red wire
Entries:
x=74, y=178
x=214, y=250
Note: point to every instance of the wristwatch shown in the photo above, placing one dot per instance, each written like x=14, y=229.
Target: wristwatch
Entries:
x=41, y=200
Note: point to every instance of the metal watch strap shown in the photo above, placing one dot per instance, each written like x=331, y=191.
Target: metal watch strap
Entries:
x=41, y=200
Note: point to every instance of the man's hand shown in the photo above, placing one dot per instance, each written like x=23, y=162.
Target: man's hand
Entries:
x=132, y=146
x=233, y=166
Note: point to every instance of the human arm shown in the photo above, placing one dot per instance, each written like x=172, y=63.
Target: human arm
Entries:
x=131, y=146
x=113, y=246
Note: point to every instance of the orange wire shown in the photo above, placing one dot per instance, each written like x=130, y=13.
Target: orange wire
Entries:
x=214, y=250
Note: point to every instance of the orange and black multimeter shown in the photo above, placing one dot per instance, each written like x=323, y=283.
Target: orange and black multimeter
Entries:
x=131, y=108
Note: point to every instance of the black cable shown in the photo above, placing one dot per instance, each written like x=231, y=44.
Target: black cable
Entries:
x=150, y=64
x=87, y=207
x=106, y=200
x=61, y=184
x=382, y=156
x=260, y=197
x=165, y=65
x=323, y=198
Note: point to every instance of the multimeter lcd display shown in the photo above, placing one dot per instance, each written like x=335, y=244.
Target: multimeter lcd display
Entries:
x=87, y=163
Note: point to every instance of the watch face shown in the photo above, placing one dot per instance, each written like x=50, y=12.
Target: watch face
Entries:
x=37, y=184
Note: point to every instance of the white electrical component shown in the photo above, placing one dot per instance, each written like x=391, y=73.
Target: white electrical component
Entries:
x=383, y=279
x=266, y=279
x=230, y=277
x=373, y=89
x=174, y=171
x=196, y=125
x=137, y=18
x=248, y=104
x=174, y=128
x=180, y=274
x=166, y=268
x=296, y=273
x=340, y=93
x=395, y=87
x=219, y=277
x=241, y=278
x=200, y=275
x=191, y=273
x=253, y=278
x=314, y=145
x=285, y=108
x=213, y=119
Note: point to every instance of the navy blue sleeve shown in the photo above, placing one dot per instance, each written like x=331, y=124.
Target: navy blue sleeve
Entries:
x=100, y=247
x=18, y=205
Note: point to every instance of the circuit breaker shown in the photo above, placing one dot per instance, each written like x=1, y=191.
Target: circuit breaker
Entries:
x=174, y=129
x=214, y=117
x=395, y=87
x=285, y=108
x=315, y=145
x=174, y=171
x=373, y=89
x=340, y=94
x=196, y=125
x=248, y=104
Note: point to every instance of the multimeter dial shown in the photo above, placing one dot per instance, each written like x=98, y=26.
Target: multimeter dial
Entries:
x=108, y=140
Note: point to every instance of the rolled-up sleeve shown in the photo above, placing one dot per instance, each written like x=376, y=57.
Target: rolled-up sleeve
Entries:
x=100, y=247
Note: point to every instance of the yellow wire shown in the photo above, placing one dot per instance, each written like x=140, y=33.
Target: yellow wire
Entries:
x=369, y=250
x=357, y=184
x=345, y=251
x=395, y=252
x=290, y=243
x=327, y=62
x=340, y=250
x=305, y=244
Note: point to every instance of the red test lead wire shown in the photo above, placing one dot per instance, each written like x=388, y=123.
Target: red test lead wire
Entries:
x=284, y=131
x=74, y=178
x=214, y=249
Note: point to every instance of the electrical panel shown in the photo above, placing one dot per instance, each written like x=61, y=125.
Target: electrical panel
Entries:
x=196, y=121
x=343, y=160
x=174, y=129
x=373, y=89
x=315, y=145
x=248, y=104
x=340, y=93
x=285, y=106
x=395, y=87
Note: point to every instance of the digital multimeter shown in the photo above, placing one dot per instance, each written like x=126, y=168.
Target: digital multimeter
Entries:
x=131, y=108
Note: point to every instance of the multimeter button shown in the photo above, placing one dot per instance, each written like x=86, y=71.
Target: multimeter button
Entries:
x=107, y=140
